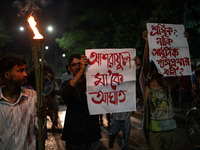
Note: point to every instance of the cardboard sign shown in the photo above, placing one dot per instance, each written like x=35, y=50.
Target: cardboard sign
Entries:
x=111, y=80
x=169, y=50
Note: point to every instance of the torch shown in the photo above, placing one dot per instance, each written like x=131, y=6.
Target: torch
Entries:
x=38, y=59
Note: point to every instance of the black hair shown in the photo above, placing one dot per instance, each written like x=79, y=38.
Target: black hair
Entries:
x=48, y=69
x=9, y=61
x=152, y=66
x=72, y=57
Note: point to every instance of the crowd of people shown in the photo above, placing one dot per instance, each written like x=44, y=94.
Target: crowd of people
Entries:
x=18, y=115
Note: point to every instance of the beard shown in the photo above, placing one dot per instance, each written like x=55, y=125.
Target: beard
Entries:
x=19, y=82
x=23, y=82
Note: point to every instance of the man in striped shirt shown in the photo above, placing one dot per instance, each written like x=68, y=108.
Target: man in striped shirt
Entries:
x=17, y=106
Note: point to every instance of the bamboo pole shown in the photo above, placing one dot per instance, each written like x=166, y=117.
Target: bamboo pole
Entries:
x=38, y=54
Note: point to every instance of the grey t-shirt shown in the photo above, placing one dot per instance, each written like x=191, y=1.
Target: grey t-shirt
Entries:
x=121, y=115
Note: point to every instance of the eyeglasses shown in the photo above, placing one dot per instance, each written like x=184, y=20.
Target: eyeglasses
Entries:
x=75, y=64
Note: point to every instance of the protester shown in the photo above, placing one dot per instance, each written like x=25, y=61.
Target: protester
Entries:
x=108, y=119
x=195, y=89
x=159, y=123
x=185, y=96
x=67, y=75
x=81, y=130
x=121, y=121
x=50, y=95
x=17, y=106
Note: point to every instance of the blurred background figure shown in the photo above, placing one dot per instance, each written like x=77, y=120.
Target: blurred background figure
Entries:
x=67, y=75
x=185, y=87
x=49, y=91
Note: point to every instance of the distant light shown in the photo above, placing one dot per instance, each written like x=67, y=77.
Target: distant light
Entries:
x=63, y=55
x=46, y=47
x=50, y=28
x=21, y=28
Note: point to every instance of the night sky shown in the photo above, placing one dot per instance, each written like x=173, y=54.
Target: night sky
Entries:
x=46, y=12
x=56, y=13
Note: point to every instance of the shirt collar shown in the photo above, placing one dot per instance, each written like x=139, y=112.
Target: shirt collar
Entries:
x=22, y=95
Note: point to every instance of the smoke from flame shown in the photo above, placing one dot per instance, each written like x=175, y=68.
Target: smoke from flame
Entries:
x=26, y=6
x=32, y=24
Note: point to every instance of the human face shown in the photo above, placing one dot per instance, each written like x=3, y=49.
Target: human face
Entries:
x=17, y=75
x=75, y=66
x=154, y=71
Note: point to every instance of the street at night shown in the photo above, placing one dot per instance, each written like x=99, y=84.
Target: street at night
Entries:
x=137, y=140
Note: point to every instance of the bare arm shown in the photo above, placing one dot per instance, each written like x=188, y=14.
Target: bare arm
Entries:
x=137, y=63
x=146, y=93
x=146, y=53
x=83, y=63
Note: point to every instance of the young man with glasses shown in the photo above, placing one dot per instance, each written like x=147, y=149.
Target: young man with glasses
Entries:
x=81, y=130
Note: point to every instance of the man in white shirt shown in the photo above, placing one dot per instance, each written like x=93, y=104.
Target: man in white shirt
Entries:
x=17, y=106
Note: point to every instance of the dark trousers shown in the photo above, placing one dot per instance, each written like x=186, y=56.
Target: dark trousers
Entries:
x=95, y=145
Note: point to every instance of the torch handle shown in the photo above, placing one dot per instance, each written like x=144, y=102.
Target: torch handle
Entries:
x=38, y=48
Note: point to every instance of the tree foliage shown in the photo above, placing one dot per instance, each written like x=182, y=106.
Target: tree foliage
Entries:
x=4, y=38
x=119, y=24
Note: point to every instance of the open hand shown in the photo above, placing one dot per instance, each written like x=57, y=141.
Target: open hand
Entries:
x=83, y=62
x=137, y=63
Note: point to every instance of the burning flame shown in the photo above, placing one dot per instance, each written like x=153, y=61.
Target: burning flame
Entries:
x=32, y=24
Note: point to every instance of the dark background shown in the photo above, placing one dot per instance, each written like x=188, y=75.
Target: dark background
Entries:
x=85, y=24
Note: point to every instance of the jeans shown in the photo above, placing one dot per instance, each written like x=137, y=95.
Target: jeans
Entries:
x=125, y=126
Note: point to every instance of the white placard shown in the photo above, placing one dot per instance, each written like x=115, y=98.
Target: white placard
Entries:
x=111, y=80
x=168, y=48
